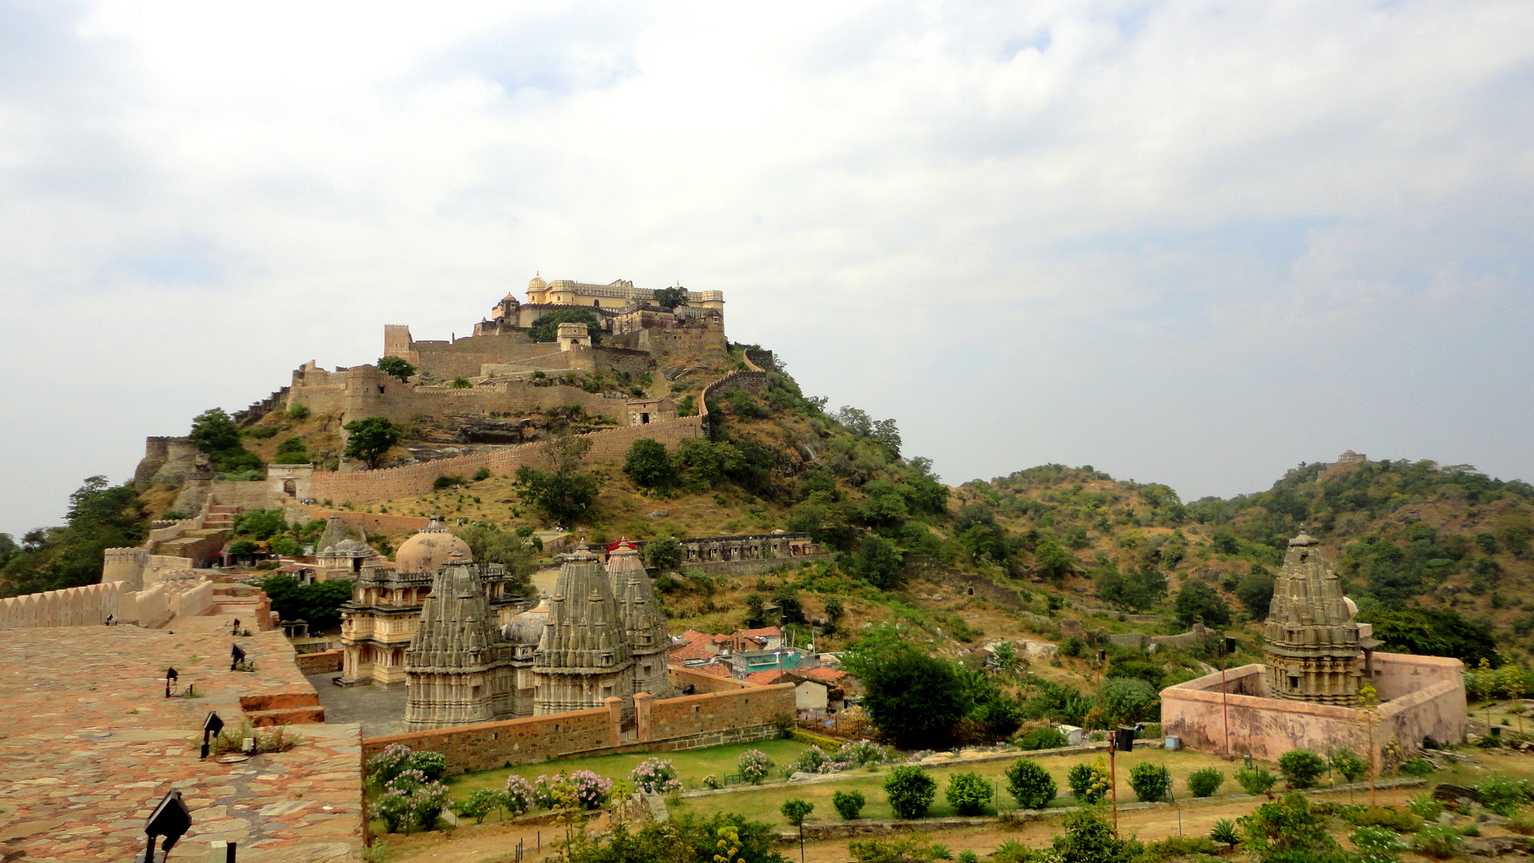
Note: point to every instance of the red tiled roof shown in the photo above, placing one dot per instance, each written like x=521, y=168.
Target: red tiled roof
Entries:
x=765, y=631
x=688, y=651
x=764, y=678
x=717, y=669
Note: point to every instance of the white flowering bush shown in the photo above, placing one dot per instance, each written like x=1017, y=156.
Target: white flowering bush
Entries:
x=755, y=766
x=655, y=776
x=583, y=788
x=517, y=798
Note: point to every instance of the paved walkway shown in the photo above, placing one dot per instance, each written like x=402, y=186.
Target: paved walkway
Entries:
x=90, y=745
x=379, y=711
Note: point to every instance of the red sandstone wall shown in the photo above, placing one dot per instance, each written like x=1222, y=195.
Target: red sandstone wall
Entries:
x=692, y=715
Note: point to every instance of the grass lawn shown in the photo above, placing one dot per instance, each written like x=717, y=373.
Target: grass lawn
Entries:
x=691, y=764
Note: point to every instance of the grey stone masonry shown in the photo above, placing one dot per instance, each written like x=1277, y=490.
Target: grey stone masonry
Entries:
x=643, y=623
x=458, y=668
x=583, y=657
x=1313, y=646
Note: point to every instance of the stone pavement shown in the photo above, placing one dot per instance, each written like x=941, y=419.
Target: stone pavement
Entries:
x=89, y=745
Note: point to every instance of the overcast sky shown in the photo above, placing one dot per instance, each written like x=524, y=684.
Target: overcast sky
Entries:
x=1187, y=242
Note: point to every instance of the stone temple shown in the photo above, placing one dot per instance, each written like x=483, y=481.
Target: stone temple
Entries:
x=602, y=636
x=1307, y=694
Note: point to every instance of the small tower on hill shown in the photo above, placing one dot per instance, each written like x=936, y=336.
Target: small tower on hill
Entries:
x=643, y=623
x=583, y=657
x=1313, y=646
x=459, y=668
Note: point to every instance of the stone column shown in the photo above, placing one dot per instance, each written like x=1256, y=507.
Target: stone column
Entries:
x=643, y=701
x=614, y=720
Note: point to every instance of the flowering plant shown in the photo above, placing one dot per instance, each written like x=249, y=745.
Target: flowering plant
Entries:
x=517, y=799
x=655, y=776
x=755, y=766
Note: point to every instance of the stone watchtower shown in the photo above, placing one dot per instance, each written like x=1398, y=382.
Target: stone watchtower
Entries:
x=459, y=668
x=1313, y=646
x=583, y=657
x=643, y=623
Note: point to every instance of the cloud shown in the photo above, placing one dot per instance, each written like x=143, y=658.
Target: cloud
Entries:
x=1181, y=241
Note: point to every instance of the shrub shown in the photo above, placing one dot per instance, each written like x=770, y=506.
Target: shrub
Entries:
x=1376, y=844
x=482, y=474
x=298, y=412
x=409, y=801
x=755, y=766
x=1224, y=830
x=478, y=804
x=1521, y=822
x=910, y=791
x=849, y=804
x=1384, y=816
x=583, y=788
x=1030, y=784
x=1425, y=807
x=1013, y=851
x=655, y=776
x=812, y=760
x=446, y=481
x=517, y=797
x=860, y=753
x=1151, y=782
x=1255, y=780
x=1301, y=767
x=968, y=793
x=712, y=781
x=1503, y=795
x=1418, y=767
x=1205, y=782
x=384, y=767
x=1043, y=738
x=1347, y=763
x=904, y=849
x=1438, y=840
x=1088, y=782
x=796, y=809
x=1179, y=847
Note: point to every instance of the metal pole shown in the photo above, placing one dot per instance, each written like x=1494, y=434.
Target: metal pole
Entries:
x=1113, y=780
x=1225, y=697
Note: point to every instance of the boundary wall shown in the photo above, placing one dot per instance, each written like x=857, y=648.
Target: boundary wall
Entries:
x=90, y=605
x=1200, y=711
x=371, y=486
x=686, y=722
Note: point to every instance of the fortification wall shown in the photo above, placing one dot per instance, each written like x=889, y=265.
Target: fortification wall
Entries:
x=751, y=566
x=372, y=523
x=687, y=722
x=125, y=565
x=76, y=606
x=361, y=487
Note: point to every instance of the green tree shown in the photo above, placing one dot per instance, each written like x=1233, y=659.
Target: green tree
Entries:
x=546, y=328
x=100, y=517
x=1151, y=782
x=1055, y=563
x=1301, y=767
x=649, y=465
x=879, y=562
x=671, y=298
x=1030, y=784
x=910, y=791
x=1198, y=601
x=562, y=493
x=318, y=604
x=396, y=367
x=1255, y=590
x=292, y=450
x=1290, y=831
x=214, y=433
x=263, y=524
x=1089, y=838
x=491, y=543
x=968, y=793
x=913, y=698
x=1133, y=591
x=663, y=553
x=368, y=439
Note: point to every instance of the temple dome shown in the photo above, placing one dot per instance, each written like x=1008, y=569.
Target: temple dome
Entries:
x=527, y=627
x=537, y=284
x=429, y=549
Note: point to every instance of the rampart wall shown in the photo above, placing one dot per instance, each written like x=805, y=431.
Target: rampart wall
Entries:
x=372, y=523
x=736, y=568
x=610, y=445
x=687, y=722
x=92, y=604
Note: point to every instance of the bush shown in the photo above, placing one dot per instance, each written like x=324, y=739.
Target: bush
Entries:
x=849, y=804
x=905, y=849
x=1384, y=816
x=795, y=810
x=1377, y=845
x=1438, y=840
x=298, y=412
x=1301, y=767
x=1030, y=784
x=1088, y=782
x=583, y=788
x=1503, y=795
x=398, y=758
x=910, y=791
x=1178, y=848
x=1425, y=807
x=1205, y=782
x=1151, y=782
x=861, y=753
x=655, y=776
x=1224, y=830
x=1042, y=738
x=517, y=797
x=446, y=481
x=755, y=766
x=1521, y=822
x=712, y=781
x=1418, y=767
x=478, y=805
x=482, y=474
x=968, y=793
x=1347, y=763
x=1255, y=780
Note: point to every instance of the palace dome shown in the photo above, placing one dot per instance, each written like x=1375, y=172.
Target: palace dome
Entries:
x=429, y=549
x=537, y=284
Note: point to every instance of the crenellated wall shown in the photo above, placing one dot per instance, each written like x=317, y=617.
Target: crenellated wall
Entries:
x=75, y=606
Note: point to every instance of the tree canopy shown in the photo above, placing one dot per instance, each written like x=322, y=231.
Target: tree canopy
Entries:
x=100, y=517
x=215, y=433
x=914, y=698
x=563, y=493
x=368, y=439
x=671, y=298
x=396, y=367
x=546, y=328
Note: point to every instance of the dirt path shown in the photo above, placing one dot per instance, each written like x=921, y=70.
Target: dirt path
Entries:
x=496, y=843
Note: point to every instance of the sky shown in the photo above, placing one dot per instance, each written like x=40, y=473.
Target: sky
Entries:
x=1188, y=242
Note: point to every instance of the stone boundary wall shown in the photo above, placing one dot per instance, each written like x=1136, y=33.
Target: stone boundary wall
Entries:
x=1198, y=713
x=318, y=663
x=750, y=567
x=370, y=486
x=687, y=722
x=750, y=381
x=373, y=523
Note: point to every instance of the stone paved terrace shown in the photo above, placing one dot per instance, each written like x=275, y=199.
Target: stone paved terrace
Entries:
x=89, y=745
